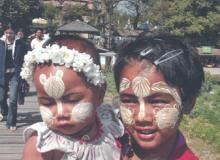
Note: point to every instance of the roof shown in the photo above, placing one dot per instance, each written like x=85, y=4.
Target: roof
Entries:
x=77, y=26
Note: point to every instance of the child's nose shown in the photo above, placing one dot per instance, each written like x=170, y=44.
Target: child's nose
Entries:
x=146, y=112
x=62, y=110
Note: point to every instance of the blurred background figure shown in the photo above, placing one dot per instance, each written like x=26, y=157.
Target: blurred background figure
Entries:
x=12, y=53
x=23, y=85
x=39, y=40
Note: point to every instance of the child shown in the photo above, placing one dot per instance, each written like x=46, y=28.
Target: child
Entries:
x=70, y=89
x=158, y=78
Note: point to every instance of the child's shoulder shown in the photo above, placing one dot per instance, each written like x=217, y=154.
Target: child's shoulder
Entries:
x=110, y=120
x=37, y=128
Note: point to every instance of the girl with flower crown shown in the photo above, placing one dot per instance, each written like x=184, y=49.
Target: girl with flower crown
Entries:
x=70, y=89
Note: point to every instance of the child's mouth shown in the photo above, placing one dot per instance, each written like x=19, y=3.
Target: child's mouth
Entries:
x=146, y=131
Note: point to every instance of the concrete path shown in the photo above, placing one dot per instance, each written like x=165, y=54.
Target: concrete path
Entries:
x=11, y=143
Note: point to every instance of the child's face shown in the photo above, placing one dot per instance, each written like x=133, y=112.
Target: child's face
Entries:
x=67, y=103
x=150, y=108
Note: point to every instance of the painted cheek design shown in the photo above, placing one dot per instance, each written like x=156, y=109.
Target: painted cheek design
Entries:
x=82, y=111
x=127, y=116
x=47, y=115
x=167, y=117
x=163, y=87
x=54, y=85
x=141, y=88
x=125, y=83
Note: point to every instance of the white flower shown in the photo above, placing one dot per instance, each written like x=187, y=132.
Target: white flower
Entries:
x=79, y=62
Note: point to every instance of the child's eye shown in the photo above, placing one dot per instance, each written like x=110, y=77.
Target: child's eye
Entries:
x=47, y=103
x=72, y=101
x=128, y=101
x=162, y=101
x=159, y=102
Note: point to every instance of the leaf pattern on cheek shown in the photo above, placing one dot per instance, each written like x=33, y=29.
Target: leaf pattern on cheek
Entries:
x=82, y=111
x=126, y=115
x=167, y=117
x=47, y=115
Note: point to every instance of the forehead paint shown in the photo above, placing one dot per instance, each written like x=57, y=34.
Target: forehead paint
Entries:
x=54, y=85
x=165, y=88
x=167, y=117
x=82, y=111
x=126, y=115
x=141, y=88
x=125, y=83
x=47, y=115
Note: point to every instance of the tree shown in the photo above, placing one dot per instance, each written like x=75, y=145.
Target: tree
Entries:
x=199, y=18
x=50, y=11
x=103, y=10
x=20, y=12
x=75, y=12
x=135, y=8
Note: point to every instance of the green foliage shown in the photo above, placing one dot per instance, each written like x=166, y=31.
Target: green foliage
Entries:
x=121, y=19
x=50, y=11
x=204, y=121
x=208, y=83
x=20, y=12
x=186, y=17
x=75, y=12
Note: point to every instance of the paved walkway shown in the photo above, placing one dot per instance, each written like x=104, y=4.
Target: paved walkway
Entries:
x=11, y=143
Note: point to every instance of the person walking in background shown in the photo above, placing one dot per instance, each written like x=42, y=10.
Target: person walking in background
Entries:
x=12, y=53
x=39, y=40
x=23, y=85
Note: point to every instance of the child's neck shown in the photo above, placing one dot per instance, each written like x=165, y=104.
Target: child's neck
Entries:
x=90, y=132
x=163, y=152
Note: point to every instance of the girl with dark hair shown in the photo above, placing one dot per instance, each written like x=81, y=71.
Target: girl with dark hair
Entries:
x=158, y=78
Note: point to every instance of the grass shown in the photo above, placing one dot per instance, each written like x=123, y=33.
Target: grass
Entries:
x=204, y=121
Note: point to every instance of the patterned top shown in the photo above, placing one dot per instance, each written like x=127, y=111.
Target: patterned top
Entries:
x=104, y=147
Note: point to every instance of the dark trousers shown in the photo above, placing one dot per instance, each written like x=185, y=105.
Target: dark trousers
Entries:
x=9, y=90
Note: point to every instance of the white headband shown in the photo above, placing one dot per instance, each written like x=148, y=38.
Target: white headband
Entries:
x=71, y=58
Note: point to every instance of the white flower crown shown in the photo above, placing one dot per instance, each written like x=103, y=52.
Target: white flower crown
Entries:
x=71, y=58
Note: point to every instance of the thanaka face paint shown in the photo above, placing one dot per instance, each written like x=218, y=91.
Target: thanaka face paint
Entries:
x=141, y=88
x=127, y=115
x=54, y=87
x=125, y=83
x=79, y=113
x=165, y=117
x=47, y=115
x=82, y=111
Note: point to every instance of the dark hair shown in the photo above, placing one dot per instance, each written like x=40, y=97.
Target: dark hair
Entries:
x=8, y=27
x=77, y=42
x=183, y=71
x=38, y=29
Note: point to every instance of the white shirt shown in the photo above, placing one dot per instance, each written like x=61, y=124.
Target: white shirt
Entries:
x=36, y=43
